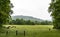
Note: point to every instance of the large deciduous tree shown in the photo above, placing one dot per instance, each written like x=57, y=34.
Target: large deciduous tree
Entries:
x=5, y=11
x=54, y=9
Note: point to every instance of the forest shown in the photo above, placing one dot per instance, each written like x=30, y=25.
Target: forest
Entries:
x=29, y=22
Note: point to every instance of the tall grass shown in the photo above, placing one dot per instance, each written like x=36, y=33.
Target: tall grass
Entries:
x=32, y=31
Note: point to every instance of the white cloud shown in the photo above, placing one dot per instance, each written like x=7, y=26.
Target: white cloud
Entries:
x=35, y=8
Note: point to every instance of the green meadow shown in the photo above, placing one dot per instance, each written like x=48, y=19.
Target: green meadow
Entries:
x=31, y=31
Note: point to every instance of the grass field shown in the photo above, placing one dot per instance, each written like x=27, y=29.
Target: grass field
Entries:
x=31, y=31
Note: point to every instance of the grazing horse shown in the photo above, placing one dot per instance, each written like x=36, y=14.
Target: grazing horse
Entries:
x=13, y=27
x=8, y=27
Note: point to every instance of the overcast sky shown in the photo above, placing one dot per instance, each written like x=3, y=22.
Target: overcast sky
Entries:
x=34, y=8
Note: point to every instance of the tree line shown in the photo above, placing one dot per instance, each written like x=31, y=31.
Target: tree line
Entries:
x=29, y=22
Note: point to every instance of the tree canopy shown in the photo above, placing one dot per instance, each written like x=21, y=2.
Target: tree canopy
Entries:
x=5, y=11
x=54, y=9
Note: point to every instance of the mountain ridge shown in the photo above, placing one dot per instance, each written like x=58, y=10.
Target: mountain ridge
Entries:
x=26, y=18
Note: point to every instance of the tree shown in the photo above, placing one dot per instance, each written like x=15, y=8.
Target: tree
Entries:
x=46, y=22
x=20, y=21
x=54, y=9
x=5, y=11
x=28, y=22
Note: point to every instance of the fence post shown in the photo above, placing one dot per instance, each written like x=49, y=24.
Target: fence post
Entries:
x=7, y=32
x=16, y=32
x=49, y=29
x=24, y=33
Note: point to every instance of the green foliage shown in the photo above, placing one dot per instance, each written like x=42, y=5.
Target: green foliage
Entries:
x=46, y=22
x=54, y=9
x=29, y=22
x=5, y=11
